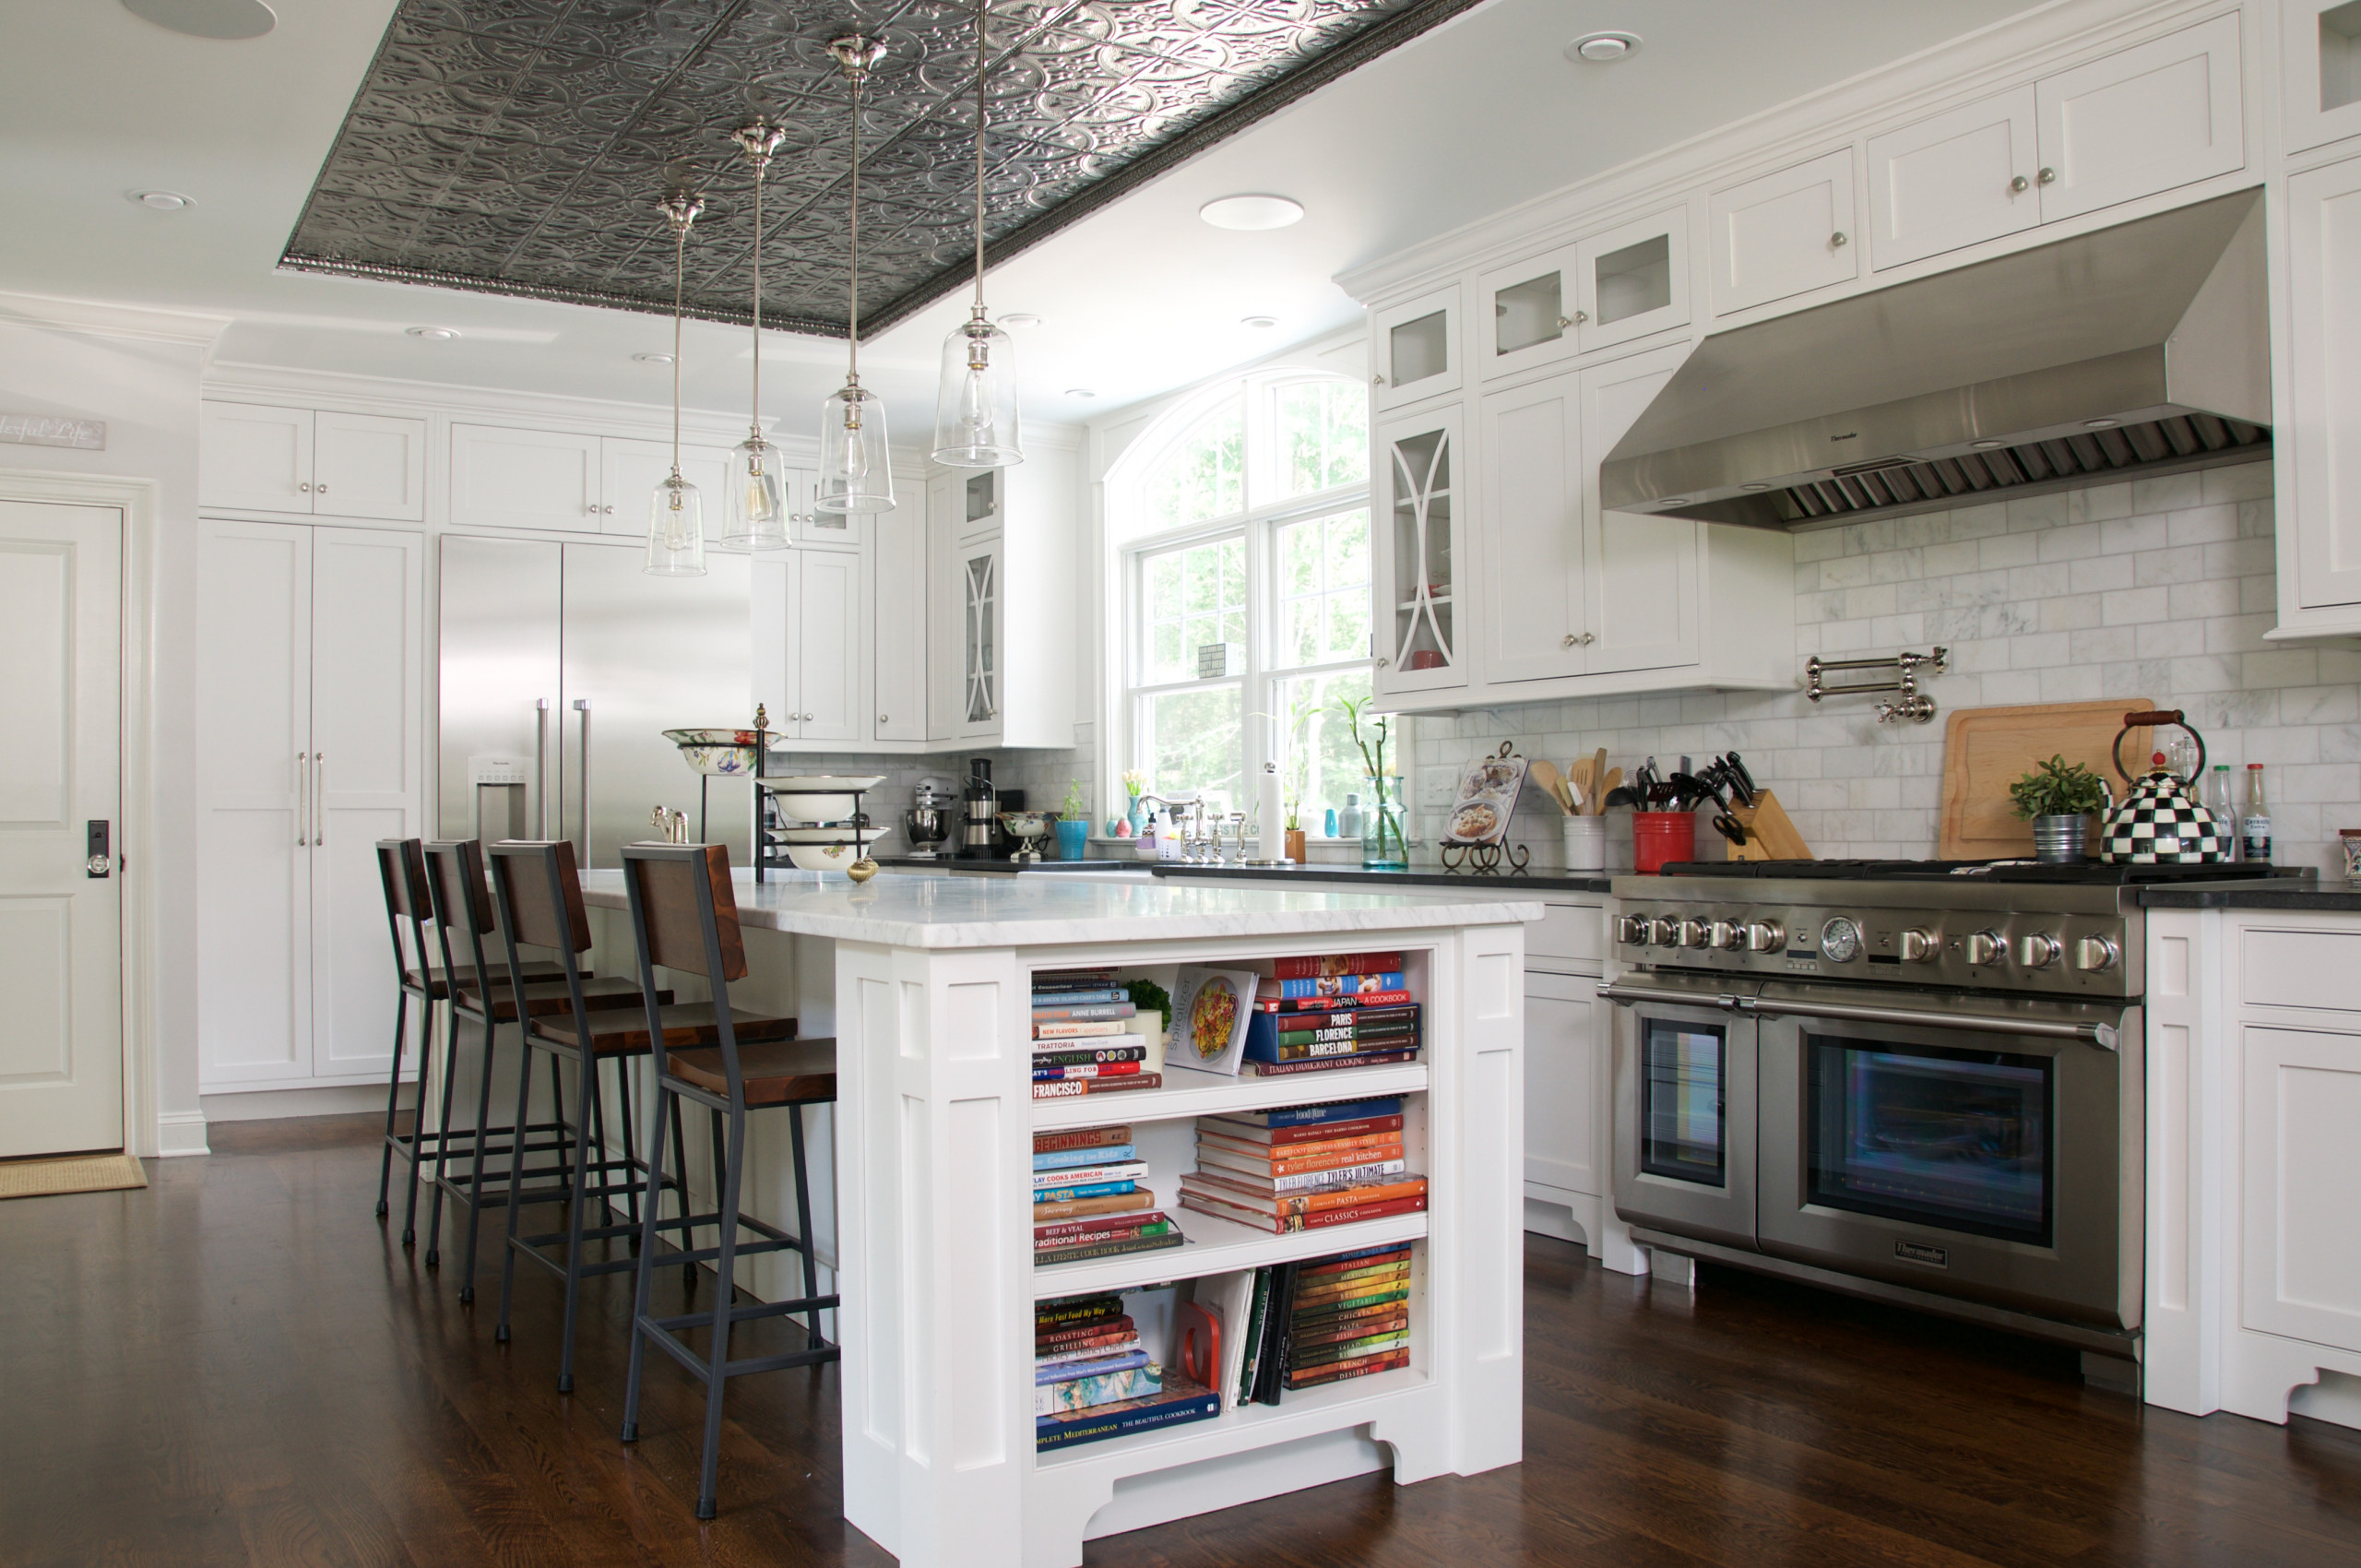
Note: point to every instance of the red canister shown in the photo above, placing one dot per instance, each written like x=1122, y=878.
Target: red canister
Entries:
x=1659, y=838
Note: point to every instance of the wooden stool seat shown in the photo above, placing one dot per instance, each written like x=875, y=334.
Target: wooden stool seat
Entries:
x=438, y=981
x=772, y=1073
x=550, y=1000
x=687, y=1024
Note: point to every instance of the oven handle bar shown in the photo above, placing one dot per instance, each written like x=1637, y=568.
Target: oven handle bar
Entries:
x=2104, y=1036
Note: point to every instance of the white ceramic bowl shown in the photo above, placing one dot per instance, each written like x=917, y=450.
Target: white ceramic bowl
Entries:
x=833, y=857
x=715, y=752
x=814, y=808
x=827, y=782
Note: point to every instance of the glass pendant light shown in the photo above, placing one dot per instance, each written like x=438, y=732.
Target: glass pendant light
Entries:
x=975, y=403
x=856, y=471
x=757, y=503
x=676, y=513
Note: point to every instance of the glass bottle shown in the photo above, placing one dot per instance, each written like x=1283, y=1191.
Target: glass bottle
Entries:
x=2254, y=827
x=1349, y=821
x=2217, y=805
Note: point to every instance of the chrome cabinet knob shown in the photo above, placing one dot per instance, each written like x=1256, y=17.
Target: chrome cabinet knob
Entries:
x=306, y=487
x=1579, y=640
x=1920, y=946
x=2039, y=950
x=885, y=719
x=1565, y=321
x=319, y=490
x=2097, y=955
x=2020, y=184
x=2048, y=176
x=1377, y=381
x=1837, y=239
x=1765, y=936
x=1723, y=935
x=1986, y=948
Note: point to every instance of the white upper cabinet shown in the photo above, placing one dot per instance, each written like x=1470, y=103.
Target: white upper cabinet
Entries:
x=1633, y=280
x=1954, y=180
x=254, y=458
x=2320, y=90
x=824, y=634
x=1533, y=614
x=527, y=479
x=1527, y=314
x=1644, y=606
x=629, y=471
x=807, y=524
x=1784, y=234
x=2145, y=119
x=1416, y=351
x=1421, y=483
x=2320, y=518
x=899, y=611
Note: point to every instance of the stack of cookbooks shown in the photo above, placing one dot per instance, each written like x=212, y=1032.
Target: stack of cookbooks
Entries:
x=1304, y=1166
x=1087, y=1200
x=1084, y=1036
x=1332, y=1010
x=1325, y=1319
x=1093, y=1377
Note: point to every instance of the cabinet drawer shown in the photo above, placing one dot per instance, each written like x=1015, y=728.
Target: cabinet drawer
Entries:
x=2301, y=968
x=1567, y=934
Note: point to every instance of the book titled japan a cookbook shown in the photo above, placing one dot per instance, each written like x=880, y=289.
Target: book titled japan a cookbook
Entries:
x=1211, y=1009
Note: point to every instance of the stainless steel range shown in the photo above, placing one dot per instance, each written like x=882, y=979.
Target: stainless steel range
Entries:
x=1908, y=1080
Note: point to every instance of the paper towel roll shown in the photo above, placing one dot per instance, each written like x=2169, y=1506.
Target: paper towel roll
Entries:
x=1268, y=810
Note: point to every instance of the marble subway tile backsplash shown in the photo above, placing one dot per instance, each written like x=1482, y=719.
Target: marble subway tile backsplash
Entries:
x=2158, y=588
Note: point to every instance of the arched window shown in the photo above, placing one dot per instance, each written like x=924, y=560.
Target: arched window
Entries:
x=1241, y=561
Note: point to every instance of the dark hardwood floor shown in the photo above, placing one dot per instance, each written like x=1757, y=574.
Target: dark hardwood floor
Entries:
x=239, y=1365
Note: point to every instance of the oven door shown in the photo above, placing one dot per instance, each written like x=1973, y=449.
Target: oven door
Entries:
x=1684, y=1107
x=1976, y=1147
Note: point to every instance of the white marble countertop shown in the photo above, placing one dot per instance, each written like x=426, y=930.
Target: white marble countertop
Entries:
x=904, y=910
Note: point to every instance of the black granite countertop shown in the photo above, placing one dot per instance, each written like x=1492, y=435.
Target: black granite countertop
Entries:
x=2293, y=891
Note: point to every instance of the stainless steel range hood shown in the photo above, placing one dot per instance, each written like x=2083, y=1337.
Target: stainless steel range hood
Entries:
x=2131, y=351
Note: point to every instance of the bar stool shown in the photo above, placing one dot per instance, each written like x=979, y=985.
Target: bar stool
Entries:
x=462, y=902
x=539, y=899
x=684, y=917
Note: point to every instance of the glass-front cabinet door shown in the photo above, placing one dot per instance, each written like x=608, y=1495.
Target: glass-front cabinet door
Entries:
x=1633, y=280
x=1414, y=353
x=1526, y=312
x=980, y=636
x=1416, y=623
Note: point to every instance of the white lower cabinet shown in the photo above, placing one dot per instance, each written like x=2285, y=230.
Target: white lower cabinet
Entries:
x=1568, y=1106
x=310, y=717
x=2302, y=1184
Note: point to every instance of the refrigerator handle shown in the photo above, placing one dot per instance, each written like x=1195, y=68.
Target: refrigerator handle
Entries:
x=319, y=797
x=540, y=769
x=303, y=800
x=582, y=706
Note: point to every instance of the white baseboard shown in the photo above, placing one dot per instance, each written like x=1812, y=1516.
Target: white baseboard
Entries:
x=2335, y=1397
x=331, y=1099
x=180, y=1133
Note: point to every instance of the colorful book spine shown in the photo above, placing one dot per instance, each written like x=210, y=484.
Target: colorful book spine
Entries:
x=1336, y=964
x=1144, y=1228
x=1144, y=1242
x=1324, y=1064
x=1066, y=1089
x=1345, y=1021
x=1359, y=985
x=1085, y=1335
x=1239, y=1131
x=1073, y=1312
x=1343, y=1370
x=1080, y=1137
x=1093, y=1224
x=1212, y=1184
x=1314, y=1115
x=1090, y=1056
x=1288, y=1224
x=1257, y=1165
x=1080, y=996
x=1105, y=1171
x=1082, y=1011
x=1330, y=1004
x=1089, y=1155
x=1070, y=1371
x=1335, y=1176
x=1107, y=1202
x=1087, y=1070
x=1082, y=1028
x=1178, y=1402
x=1080, y=1190
x=1082, y=1393
x=1303, y=1148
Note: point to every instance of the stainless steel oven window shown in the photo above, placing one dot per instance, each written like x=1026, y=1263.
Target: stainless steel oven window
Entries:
x=1962, y=1140
x=1683, y=1108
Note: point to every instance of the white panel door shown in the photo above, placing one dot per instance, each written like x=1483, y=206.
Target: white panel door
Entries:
x=945, y=675
x=1784, y=234
x=1535, y=611
x=768, y=619
x=977, y=565
x=368, y=465
x=1561, y=1059
x=1643, y=577
x=898, y=621
x=254, y=808
x=2320, y=75
x=524, y=479
x=368, y=719
x=2302, y=1169
x=809, y=525
x=825, y=624
x=1415, y=527
x=251, y=457
x=61, y=928
x=2323, y=425
x=629, y=471
x=1953, y=180
x=2157, y=115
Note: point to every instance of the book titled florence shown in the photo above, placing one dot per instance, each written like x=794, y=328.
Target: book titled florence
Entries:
x=1179, y=1401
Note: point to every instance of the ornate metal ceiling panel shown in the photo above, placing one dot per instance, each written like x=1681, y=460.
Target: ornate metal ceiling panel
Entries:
x=521, y=146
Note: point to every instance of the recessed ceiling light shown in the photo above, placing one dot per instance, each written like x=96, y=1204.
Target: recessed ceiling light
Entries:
x=1018, y=321
x=1599, y=48
x=1250, y=212
x=1986, y=446
x=161, y=201
x=653, y=359
x=226, y=19
x=434, y=334
x=2100, y=424
x=1081, y=392
x=1260, y=323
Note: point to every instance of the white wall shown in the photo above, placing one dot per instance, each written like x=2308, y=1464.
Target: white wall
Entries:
x=138, y=370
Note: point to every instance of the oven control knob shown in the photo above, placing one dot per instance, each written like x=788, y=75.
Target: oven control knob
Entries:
x=1633, y=930
x=1986, y=948
x=1727, y=934
x=1662, y=931
x=2039, y=951
x=1920, y=946
x=1689, y=934
x=2096, y=954
x=1765, y=936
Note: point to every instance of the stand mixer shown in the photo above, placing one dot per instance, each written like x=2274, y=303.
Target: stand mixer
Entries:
x=929, y=818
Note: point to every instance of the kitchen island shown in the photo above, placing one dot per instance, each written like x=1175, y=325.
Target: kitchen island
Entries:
x=926, y=983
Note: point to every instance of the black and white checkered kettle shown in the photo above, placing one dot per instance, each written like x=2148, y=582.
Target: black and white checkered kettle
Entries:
x=2159, y=821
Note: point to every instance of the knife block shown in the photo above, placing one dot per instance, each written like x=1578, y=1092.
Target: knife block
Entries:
x=1770, y=836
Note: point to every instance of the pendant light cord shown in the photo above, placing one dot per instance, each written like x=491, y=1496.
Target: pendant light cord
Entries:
x=761, y=162
x=680, y=262
x=982, y=7
x=853, y=330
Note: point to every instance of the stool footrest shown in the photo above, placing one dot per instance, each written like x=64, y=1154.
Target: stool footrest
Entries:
x=742, y=1314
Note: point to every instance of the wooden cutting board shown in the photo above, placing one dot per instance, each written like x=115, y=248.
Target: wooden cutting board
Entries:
x=1987, y=749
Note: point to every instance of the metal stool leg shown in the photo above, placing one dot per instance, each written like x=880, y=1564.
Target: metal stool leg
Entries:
x=442, y=1130
x=475, y=1180
x=515, y=1197
x=679, y=1164
x=631, y=1143
x=725, y=1296
x=586, y=1074
x=645, y=1273
x=804, y=1229
x=392, y=1099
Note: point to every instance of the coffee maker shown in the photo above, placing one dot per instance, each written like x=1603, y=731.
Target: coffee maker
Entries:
x=933, y=810
x=979, y=819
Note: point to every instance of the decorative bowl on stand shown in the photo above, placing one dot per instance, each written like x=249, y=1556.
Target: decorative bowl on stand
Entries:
x=818, y=797
x=717, y=752
x=830, y=848
x=1027, y=827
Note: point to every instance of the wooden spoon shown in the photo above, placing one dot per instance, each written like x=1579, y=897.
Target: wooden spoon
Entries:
x=1544, y=773
x=1598, y=771
x=1614, y=780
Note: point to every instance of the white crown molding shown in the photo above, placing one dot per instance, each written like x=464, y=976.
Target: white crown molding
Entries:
x=2005, y=53
x=101, y=318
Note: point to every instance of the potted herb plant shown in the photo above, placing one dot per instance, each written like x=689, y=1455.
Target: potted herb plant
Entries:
x=1154, y=1014
x=1074, y=824
x=2060, y=797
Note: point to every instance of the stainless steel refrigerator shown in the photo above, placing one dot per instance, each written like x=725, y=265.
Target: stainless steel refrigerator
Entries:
x=562, y=665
